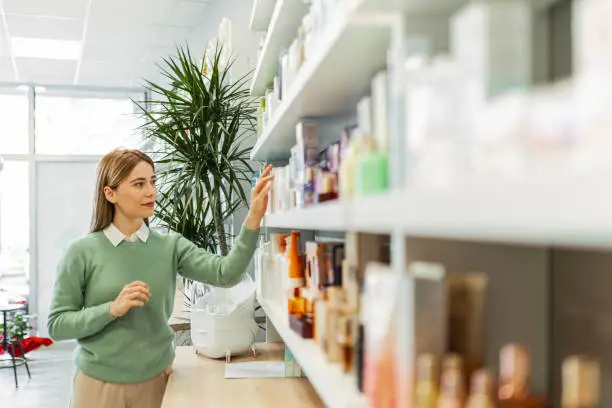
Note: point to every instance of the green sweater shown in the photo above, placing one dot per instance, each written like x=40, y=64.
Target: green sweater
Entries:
x=139, y=345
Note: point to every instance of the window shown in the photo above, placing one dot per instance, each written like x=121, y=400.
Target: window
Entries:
x=14, y=218
x=85, y=125
x=14, y=119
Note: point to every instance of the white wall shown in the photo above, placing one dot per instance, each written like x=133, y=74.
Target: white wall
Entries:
x=244, y=42
x=64, y=202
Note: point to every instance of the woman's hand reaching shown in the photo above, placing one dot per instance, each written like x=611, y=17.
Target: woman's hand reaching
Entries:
x=259, y=199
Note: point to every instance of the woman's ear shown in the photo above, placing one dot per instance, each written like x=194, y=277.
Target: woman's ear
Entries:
x=109, y=194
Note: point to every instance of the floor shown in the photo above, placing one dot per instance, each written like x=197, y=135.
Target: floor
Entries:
x=49, y=386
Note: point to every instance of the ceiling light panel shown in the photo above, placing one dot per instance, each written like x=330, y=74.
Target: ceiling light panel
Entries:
x=45, y=48
x=49, y=8
x=45, y=27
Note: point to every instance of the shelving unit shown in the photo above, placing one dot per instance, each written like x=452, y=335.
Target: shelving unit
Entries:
x=334, y=387
x=285, y=20
x=506, y=229
x=321, y=88
x=261, y=14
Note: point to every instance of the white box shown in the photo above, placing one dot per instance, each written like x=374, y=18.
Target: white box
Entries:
x=592, y=35
x=493, y=45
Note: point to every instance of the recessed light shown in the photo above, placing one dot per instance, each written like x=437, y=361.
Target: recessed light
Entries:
x=24, y=47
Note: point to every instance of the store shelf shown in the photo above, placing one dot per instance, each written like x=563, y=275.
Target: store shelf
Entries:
x=285, y=21
x=330, y=83
x=336, y=389
x=412, y=7
x=314, y=216
x=546, y=213
x=261, y=14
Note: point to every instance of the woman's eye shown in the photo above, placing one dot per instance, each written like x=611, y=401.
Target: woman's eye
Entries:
x=139, y=184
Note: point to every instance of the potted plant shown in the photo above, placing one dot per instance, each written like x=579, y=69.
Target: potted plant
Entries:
x=198, y=119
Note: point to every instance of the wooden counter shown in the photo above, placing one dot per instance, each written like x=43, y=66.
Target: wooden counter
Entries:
x=199, y=381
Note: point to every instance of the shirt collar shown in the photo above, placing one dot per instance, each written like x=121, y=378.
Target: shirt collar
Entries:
x=115, y=236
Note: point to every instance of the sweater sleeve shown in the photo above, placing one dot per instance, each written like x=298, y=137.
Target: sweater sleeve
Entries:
x=68, y=319
x=222, y=271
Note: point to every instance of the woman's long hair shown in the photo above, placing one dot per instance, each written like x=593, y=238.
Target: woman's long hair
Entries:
x=112, y=170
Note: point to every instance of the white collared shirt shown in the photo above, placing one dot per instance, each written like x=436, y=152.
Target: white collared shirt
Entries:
x=115, y=236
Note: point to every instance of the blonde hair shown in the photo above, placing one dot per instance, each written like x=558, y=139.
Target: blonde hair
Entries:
x=112, y=170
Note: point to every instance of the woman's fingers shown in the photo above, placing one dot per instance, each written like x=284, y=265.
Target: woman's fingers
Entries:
x=137, y=283
x=264, y=192
x=263, y=181
x=267, y=170
x=137, y=295
x=136, y=303
x=140, y=286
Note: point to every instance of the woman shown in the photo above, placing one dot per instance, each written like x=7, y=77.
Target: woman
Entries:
x=115, y=287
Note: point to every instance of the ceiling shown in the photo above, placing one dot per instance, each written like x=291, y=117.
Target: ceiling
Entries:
x=120, y=40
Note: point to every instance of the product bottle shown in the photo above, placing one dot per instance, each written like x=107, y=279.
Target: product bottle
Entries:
x=296, y=270
x=452, y=389
x=481, y=392
x=346, y=339
x=426, y=393
x=281, y=267
x=336, y=298
x=514, y=379
x=297, y=304
x=580, y=376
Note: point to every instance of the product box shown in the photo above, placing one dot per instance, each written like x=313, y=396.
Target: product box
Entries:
x=424, y=301
x=466, y=298
x=307, y=138
x=492, y=42
x=316, y=272
x=592, y=35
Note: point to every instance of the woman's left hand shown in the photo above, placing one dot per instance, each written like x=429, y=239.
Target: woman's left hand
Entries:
x=259, y=199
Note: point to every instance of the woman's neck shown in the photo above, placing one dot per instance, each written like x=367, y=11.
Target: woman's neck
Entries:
x=126, y=225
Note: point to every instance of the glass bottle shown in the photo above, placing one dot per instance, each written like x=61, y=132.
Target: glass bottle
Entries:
x=426, y=394
x=580, y=376
x=514, y=379
x=481, y=392
x=452, y=390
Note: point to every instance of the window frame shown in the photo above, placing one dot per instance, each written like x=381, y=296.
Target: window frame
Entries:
x=33, y=158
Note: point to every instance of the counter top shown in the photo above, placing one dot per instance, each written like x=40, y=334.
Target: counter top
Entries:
x=197, y=380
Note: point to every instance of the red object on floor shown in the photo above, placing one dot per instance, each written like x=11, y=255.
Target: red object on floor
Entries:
x=29, y=344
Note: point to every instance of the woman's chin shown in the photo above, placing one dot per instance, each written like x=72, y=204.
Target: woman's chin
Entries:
x=148, y=213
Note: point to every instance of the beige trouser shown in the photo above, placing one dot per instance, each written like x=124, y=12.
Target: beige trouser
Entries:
x=88, y=392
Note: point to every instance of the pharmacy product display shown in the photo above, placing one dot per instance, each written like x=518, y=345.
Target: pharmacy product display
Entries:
x=436, y=145
x=343, y=296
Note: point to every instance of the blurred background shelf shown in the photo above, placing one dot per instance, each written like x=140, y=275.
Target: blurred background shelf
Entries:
x=428, y=6
x=261, y=14
x=285, y=20
x=329, y=83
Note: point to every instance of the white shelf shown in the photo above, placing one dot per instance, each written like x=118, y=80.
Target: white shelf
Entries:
x=261, y=14
x=330, y=83
x=285, y=21
x=336, y=389
x=429, y=6
x=531, y=213
x=412, y=6
x=312, y=217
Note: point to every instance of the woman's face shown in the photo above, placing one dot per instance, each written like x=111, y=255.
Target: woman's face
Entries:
x=136, y=194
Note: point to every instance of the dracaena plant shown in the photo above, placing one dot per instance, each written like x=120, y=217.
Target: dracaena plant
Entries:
x=199, y=120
